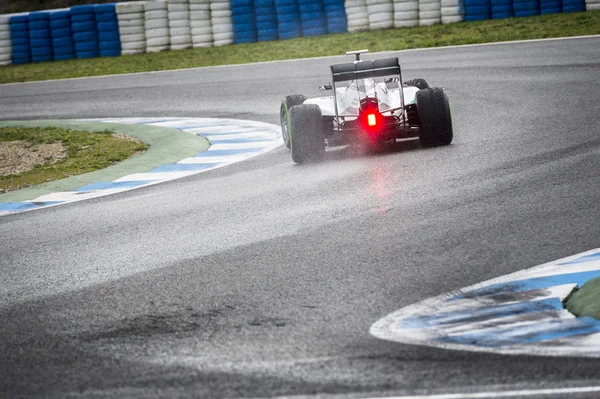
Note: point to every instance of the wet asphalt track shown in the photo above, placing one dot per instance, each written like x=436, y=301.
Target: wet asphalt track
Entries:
x=263, y=278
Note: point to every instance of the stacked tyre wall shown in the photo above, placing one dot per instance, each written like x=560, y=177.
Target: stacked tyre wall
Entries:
x=128, y=28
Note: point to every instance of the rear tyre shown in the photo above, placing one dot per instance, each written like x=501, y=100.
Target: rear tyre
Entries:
x=418, y=83
x=435, y=118
x=284, y=113
x=306, y=133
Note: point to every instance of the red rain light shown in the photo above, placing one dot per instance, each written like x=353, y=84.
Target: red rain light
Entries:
x=371, y=120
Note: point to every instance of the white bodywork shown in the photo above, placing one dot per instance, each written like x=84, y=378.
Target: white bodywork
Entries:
x=348, y=97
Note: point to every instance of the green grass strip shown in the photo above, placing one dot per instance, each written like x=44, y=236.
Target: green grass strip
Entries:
x=167, y=145
x=84, y=152
x=545, y=26
x=586, y=300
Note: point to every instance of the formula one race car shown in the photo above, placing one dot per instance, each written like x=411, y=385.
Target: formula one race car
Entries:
x=370, y=107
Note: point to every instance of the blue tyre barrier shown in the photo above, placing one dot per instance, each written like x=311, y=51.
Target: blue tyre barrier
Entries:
x=19, y=31
x=83, y=18
x=108, y=26
x=65, y=50
x=85, y=36
x=106, y=16
x=105, y=8
x=39, y=24
x=39, y=33
x=84, y=9
x=335, y=15
x=550, y=6
x=526, y=8
x=60, y=23
x=19, y=41
x=84, y=47
x=86, y=54
x=40, y=39
x=312, y=24
x=87, y=26
x=64, y=57
x=56, y=15
x=22, y=49
x=501, y=9
x=85, y=32
x=111, y=53
x=19, y=19
x=311, y=8
x=314, y=31
x=244, y=21
x=477, y=10
x=62, y=42
x=104, y=36
x=288, y=19
x=266, y=20
x=312, y=17
x=61, y=32
x=243, y=11
x=41, y=57
x=45, y=42
x=19, y=34
x=573, y=5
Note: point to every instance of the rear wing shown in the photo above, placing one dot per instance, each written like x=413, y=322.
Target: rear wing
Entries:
x=365, y=69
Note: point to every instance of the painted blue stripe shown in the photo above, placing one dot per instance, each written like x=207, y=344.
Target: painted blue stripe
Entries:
x=588, y=258
x=212, y=153
x=231, y=132
x=184, y=167
x=241, y=140
x=578, y=278
x=542, y=331
x=113, y=185
x=22, y=206
x=480, y=314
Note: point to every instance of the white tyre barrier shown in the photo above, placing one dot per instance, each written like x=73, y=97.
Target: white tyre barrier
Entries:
x=157, y=26
x=452, y=11
x=139, y=37
x=381, y=14
x=592, y=5
x=179, y=24
x=356, y=11
x=201, y=23
x=430, y=12
x=132, y=29
x=5, y=41
x=406, y=13
x=222, y=23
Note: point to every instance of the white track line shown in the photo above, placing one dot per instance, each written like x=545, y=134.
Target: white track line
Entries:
x=502, y=394
x=313, y=58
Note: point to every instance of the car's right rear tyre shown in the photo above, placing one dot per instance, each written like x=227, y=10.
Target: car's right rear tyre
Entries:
x=306, y=133
x=284, y=114
x=435, y=118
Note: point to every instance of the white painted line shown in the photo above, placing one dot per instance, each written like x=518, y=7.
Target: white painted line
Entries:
x=236, y=146
x=502, y=394
x=309, y=58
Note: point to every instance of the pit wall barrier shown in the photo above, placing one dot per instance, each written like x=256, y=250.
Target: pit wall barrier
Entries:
x=127, y=28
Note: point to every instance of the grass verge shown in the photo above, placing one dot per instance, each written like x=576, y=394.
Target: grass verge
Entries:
x=586, y=300
x=167, y=145
x=545, y=26
x=83, y=152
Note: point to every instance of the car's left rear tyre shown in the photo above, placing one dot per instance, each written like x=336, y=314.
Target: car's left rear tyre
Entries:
x=306, y=133
x=284, y=114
